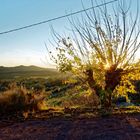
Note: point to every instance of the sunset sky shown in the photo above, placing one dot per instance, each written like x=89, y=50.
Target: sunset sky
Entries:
x=26, y=47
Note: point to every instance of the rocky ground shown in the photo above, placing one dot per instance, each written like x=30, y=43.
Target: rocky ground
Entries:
x=124, y=127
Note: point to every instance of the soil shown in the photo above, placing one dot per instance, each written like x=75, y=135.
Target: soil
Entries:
x=124, y=127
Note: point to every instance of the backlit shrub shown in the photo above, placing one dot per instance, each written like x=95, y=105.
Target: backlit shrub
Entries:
x=19, y=99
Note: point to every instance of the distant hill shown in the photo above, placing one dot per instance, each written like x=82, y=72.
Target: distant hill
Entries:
x=23, y=68
x=19, y=72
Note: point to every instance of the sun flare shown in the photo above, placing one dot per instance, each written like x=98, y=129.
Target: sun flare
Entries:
x=107, y=66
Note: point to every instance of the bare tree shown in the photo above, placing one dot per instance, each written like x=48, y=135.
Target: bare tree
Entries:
x=102, y=48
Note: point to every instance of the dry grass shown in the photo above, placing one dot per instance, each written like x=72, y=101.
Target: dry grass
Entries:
x=20, y=100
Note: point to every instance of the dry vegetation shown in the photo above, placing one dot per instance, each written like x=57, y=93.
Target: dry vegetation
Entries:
x=42, y=99
x=18, y=100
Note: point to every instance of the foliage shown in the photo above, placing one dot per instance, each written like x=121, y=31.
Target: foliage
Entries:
x=127, y=84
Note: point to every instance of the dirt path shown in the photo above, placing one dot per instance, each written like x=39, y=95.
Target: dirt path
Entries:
x=109, y=128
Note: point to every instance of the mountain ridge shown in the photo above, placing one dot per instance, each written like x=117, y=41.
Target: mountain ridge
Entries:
x=25, y=68
x=27, y=72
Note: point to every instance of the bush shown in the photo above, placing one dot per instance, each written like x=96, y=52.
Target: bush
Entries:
x=4, y=85
x=20, y=100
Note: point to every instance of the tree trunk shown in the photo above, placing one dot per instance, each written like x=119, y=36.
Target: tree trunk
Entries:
x=112, y=79
x=95, y=89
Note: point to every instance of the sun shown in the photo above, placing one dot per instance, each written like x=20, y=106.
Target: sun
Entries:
x=107, y=66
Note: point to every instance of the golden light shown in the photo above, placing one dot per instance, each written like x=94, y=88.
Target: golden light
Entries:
x=107, y=66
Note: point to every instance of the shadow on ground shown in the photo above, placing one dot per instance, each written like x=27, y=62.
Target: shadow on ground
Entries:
x=124, y=127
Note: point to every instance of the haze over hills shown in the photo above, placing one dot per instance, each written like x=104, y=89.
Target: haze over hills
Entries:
x=21, y=71
x=24, y=68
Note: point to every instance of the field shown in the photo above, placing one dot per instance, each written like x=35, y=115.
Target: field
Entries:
x=64, y=108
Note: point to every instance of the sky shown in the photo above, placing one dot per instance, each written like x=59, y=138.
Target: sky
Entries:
x=26, y=47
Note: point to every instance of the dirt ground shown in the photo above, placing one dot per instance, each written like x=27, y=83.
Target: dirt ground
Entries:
x=124, y=127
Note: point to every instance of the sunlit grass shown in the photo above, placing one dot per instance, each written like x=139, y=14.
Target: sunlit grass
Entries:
x=19, y=100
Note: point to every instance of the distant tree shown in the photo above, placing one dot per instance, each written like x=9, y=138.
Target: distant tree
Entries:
x=101, y=49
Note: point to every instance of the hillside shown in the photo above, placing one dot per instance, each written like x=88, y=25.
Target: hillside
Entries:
x=19, y=72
